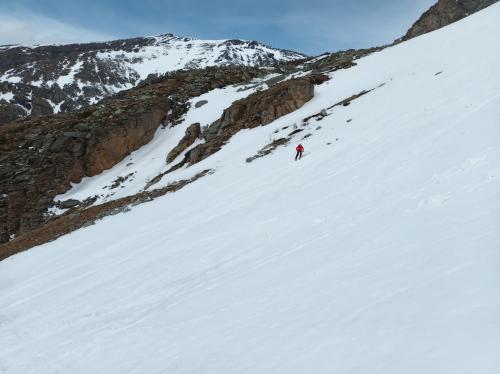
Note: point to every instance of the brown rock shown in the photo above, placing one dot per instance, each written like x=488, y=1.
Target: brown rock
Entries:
x=40, y=107
x=258, y=109
x=192, y=133
x=318, y=79
x=117, y=142
x=443, y=13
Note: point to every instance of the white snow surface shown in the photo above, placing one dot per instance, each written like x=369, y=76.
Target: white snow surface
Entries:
x=6, y=96
x=378, y=253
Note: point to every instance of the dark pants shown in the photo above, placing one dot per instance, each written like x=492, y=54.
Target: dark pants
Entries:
x=298, y=156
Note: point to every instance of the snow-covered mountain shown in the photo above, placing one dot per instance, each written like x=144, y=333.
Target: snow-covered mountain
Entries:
x=49, y=79
x=377, y=253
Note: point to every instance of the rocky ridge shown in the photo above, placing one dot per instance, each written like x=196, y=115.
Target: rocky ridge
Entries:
x=44, y=80
x=443, y=13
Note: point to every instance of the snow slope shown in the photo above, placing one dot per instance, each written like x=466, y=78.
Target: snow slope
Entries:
x=377, y=253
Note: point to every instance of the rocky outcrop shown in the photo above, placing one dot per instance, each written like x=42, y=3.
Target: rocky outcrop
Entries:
x=444, y=13
x=40, y=107
x=269, y=148
x=61, y=151
x=192, y=133
x=10, y=112
x=258, y=109
x=133, y=133
x=40, y=158
x=325, y=63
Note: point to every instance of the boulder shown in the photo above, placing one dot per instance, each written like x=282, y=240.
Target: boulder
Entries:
x=200, y=103
x=192, y=133
x=68, y=204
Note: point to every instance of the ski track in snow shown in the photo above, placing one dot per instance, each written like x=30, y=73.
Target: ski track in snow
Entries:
x=378, y=253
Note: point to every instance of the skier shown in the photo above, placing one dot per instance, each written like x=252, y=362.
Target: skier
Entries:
x=300, y=150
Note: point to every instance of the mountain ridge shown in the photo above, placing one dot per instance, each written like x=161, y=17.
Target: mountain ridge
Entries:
x=47, y=79
x=444, y=13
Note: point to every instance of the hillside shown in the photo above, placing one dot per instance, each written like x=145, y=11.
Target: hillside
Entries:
x=377, y=253
x=41, y=80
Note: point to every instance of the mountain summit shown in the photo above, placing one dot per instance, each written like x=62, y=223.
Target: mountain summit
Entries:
x=43, y=80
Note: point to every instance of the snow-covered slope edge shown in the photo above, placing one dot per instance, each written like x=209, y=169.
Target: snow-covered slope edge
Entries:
x=49, y=79
x=376, y=253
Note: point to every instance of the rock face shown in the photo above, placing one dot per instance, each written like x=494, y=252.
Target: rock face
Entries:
x=192, y=133
x=50, y=79
x=258, y=109
x=40, y=158
x=444, y=13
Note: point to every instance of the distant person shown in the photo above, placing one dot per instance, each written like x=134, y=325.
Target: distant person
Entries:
x=300, y=150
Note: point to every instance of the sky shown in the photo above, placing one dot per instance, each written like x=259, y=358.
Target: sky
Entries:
x=307, y=26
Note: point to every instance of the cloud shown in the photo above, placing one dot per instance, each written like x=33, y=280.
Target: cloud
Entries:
x=31, y=29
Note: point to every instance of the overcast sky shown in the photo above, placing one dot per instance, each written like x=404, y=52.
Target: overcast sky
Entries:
x=308, y=26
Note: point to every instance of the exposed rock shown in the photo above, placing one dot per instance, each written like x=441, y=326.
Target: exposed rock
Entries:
x=443, y=13
x=295, y=132
x=122, y=139
x=200, y=103
x=192, y=133
x=326, y=63
x=257, y=109
x=10, y=112
x=40, y=107
x=269, y=149
x=40, y=158
x=118, y=181
x=68, y=204
x=318, y=79
x=346, y=102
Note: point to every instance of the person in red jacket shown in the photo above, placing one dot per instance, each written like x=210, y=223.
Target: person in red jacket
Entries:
x=300, y=150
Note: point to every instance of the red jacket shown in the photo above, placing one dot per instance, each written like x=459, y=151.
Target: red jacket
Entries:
x=299, y=148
